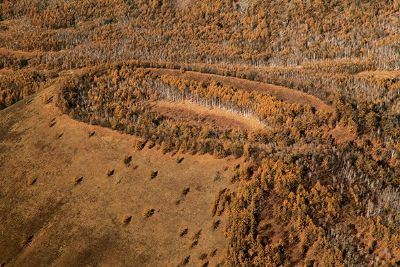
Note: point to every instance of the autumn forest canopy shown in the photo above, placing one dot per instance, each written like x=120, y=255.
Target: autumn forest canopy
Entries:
x=304, y=94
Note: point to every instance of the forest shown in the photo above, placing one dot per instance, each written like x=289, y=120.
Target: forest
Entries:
x=318, y=184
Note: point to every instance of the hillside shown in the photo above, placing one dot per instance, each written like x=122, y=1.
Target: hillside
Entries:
x=199, y=133
x=60, y=205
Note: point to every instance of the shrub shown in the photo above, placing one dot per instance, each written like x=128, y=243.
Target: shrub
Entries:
x=153, y=174
x=148, y=213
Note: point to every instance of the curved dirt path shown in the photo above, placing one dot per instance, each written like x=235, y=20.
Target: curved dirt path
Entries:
x=280, y=92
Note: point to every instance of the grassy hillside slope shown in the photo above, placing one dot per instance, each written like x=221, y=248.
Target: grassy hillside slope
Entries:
x=61, y=206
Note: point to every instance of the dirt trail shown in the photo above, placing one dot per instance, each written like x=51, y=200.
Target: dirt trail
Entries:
x=18, y=53
x=380, y=74
x=280, y=92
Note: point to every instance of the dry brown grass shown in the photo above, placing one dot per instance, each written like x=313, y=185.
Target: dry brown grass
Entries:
x=52, y=208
